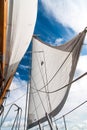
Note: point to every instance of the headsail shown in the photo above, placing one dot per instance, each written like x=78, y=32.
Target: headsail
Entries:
x=21, y=19
x=52, y=68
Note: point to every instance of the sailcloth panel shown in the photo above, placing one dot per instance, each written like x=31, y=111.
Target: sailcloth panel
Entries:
x=21, y=21
x=52, y=68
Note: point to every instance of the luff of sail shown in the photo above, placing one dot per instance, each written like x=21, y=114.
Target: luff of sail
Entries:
x=21, y=17
x=52, y=68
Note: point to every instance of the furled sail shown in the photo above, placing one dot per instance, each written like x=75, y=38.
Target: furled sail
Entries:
x=52, y=68
x=21, y=17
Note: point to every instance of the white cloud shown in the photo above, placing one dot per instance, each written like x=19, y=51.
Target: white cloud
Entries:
x=71, y=13
x=23, y=67
x=8, y=124
x=58, y=41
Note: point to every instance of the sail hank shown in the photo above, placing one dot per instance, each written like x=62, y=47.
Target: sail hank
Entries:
x=60, y=64
x=21, y=18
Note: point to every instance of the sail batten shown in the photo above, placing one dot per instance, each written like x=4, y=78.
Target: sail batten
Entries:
x=51, y=70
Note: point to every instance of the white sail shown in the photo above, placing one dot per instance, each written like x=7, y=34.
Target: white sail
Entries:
x=21, y=22
x=20, y=26
x=52, y=68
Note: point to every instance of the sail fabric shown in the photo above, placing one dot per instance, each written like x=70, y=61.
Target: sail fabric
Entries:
x=52, y=68
x=21, y=22
x=20, y=26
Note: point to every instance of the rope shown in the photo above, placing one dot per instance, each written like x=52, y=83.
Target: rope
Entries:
x=15, y=100
x=72, y=110
x=68, y=112
x=64, y=85
x=26, y=106
x=76, y=41
x=62, y=63
x=38, y=95
x=47, y=90
x=35, y=107
x=44, y=63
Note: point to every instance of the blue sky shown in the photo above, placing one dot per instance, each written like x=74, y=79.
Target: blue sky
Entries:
x=49, y=30
x=52, y=30
x=57, y=22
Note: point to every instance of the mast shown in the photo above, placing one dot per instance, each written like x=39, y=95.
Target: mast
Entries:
x=3, y=24
x=3, y=29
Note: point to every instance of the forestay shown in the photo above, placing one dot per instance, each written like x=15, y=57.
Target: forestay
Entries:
x=20, y=26
x=52, y=68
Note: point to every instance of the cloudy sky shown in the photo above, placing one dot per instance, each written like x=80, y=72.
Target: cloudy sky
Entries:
x=57, y=22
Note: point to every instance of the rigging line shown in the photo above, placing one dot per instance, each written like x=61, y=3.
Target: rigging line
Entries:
x=76, y=41
x=38, y=94
x=50, y=107
x=34, y=52
x=68, y=112
x=72, y=110
x=15, y=100
x=16, y=123
x=8, y=112
x=17, y=88
x=29, y=89
x=2, y=116
x=26, y=106
x=46, y=88
x=66, y=84
x=19, y=113
x=3, y=111
x=35, y=107
x=20, y=118
x=41, y=73
x=15, y=120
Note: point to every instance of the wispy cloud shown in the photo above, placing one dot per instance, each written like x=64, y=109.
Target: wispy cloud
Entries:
x=24, y=67
x=58, y=41
x=70, y=13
